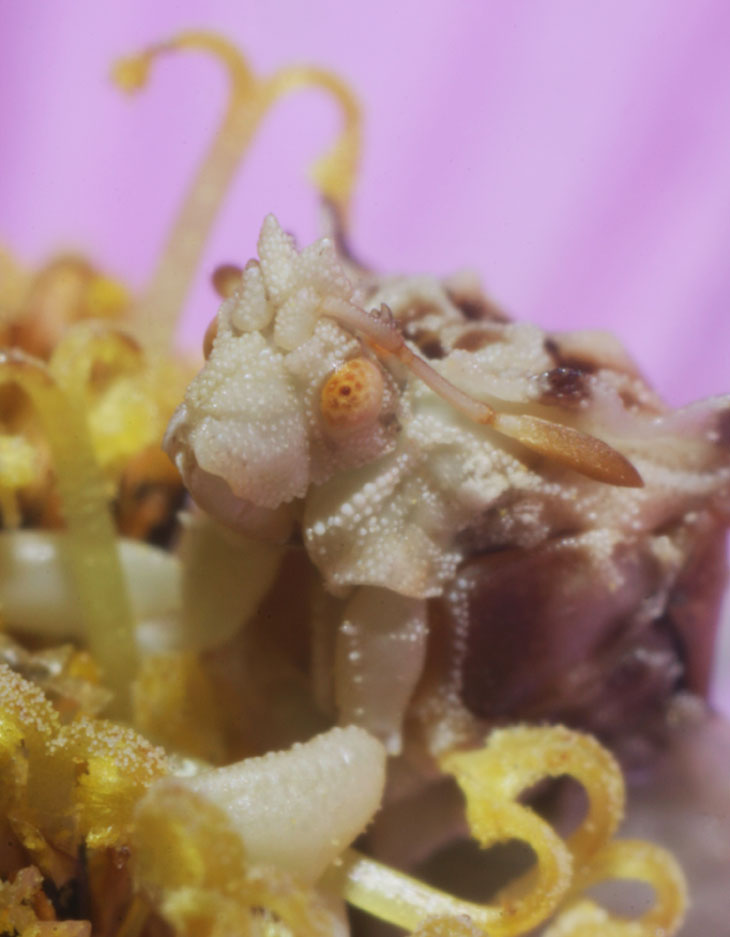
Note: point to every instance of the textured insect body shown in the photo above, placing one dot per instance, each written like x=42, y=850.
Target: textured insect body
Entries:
x=512, y=523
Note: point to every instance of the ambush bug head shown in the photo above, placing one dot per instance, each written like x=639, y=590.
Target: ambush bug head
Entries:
x=295, y=391
x=288, y=395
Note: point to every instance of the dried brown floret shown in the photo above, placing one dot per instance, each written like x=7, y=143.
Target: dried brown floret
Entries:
x=25, y=910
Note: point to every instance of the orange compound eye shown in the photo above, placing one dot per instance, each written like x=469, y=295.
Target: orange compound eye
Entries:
x=352, y=395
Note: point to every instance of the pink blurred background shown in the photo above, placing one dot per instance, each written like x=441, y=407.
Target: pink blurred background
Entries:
x=577, y=155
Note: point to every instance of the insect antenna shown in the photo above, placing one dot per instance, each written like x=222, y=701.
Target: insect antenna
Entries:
x=564, y=444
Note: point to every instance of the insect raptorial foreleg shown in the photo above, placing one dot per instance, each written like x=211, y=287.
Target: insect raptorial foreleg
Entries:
x=380, y=653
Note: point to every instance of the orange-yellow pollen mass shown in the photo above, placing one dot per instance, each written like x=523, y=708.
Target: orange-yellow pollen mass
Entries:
x=352, y=395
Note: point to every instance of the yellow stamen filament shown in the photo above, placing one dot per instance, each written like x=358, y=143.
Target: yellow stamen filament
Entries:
x=565, y=444
x=334, y=174
x=95, y=563
x=640, y=861
x=518, y=758
x=251, y=98
x=401, y=900
x=9, y=509
x=492, y=780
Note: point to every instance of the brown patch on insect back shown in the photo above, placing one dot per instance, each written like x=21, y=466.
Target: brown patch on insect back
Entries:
x=427, y=342
x=477, y=308
x=629, y=399
x=573, y=362
x=553, y=349
x=635, y=399
x=539, y=624
x=409, y=316
x=564, y=386
x=476, y=339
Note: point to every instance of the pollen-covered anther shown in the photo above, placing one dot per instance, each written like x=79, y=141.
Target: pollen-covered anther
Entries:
x=352, y=395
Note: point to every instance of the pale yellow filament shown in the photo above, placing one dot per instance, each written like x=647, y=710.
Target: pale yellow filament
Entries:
x=517, y=758
x=406, y=902
x=250, y=99
x=135, y=918
x=95, y=564
x=639, y=861
x=335, y=173
x=492, y=780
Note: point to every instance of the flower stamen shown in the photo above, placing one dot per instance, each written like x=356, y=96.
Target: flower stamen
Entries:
x=250, y=99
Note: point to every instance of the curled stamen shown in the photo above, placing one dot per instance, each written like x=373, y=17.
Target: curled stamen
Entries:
x=334, y=173
x=631, y=860
x=492, y=780
x=94, y=560
x=87, y=346
x=515, y=759
x=586, y=454
x=406, y=902
x=250, y=99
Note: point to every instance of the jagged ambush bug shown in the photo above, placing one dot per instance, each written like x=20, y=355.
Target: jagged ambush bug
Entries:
x=507, y=523
x=416, y=519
